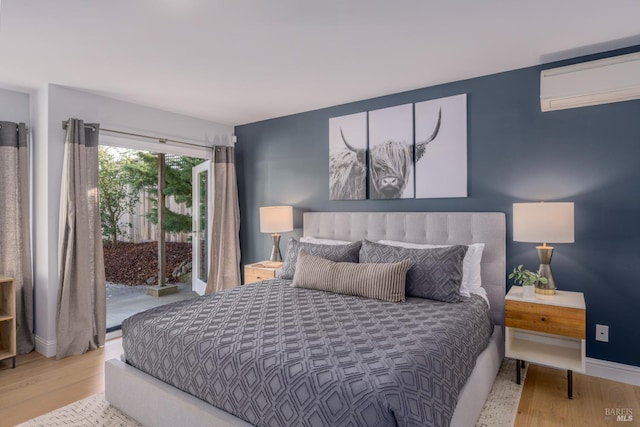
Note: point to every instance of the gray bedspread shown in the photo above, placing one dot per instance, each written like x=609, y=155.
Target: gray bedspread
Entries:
x=273, y=355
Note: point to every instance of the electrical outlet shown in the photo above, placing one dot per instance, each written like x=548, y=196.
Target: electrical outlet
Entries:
x=602, y=333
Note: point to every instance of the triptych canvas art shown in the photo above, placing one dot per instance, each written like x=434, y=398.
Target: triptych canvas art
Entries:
x=413, y=150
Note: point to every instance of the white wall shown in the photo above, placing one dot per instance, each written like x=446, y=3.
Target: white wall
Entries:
x=14, y=106
x=54, y=104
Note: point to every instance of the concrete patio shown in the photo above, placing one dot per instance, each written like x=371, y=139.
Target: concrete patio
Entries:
x=124, y=301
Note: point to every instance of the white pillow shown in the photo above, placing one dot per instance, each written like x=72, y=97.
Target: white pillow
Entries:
x=471, y=277
x=316, y=241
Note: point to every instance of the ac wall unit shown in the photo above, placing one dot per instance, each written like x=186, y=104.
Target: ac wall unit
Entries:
x=591, y=83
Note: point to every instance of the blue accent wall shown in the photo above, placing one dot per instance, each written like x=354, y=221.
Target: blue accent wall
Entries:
x=589, y=155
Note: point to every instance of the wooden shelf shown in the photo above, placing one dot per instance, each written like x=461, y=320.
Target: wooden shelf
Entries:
x=547, y=351
x=7, y=318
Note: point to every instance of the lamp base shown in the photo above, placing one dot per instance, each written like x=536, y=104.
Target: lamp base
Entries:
x=544, y=256
x=276, y=256
x=542, y=291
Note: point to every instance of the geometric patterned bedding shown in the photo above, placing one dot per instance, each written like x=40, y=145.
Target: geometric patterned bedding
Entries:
x=274, y=355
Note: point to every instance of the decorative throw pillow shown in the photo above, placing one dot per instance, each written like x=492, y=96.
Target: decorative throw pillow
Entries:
x=435, y=273
x=471, y=270
x=337, y=253
x=379, y=281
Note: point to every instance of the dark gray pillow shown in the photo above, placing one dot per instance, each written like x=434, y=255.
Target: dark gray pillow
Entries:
x=380, y=281
x=336, y=253
x=435, y=273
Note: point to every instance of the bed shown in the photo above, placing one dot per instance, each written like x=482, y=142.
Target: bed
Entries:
x=155, y=402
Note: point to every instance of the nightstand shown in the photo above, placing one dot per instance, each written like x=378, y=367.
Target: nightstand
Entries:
x=548, y=330
x=260, y=271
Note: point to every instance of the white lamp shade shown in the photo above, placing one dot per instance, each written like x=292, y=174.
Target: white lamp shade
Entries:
x=543, y=222
x=276, y=219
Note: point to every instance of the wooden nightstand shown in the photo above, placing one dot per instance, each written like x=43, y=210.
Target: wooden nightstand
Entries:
x=7, y=319
x=260, y=271
x=547, y=329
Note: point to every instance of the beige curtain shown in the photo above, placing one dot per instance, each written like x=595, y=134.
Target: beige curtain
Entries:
x=81, y=312
x=15, y=243
x=224, y=270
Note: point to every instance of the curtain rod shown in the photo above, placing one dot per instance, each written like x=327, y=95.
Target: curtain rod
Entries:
x=159, y=140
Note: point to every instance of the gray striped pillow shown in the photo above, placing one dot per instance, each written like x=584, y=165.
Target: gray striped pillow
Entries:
x=384, y=281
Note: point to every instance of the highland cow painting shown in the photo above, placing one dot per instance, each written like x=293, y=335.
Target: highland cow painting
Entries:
x=347, y=157
x=401, y=152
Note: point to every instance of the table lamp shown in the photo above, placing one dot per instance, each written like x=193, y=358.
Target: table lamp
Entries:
x=275, y=220
x=546, y=223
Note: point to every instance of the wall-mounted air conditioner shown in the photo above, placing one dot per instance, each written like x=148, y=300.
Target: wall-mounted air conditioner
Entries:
x=591, y=83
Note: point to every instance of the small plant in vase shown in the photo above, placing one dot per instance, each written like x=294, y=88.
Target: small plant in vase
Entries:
x=527, y=279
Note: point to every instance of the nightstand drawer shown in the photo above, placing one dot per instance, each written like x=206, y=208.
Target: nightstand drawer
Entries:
x=252, y=274
x=550, y=319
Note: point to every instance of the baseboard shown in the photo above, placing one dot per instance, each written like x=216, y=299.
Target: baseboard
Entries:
x=613, y=371
x=48, y=348
x=113, y=335
x=44, y=347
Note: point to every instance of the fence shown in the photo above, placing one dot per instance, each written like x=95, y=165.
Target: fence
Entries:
x=139, y=229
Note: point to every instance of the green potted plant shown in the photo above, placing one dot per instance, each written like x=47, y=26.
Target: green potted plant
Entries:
x=527, y=279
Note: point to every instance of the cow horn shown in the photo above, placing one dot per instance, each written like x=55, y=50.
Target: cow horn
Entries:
x=346, y=143
x=435, y=131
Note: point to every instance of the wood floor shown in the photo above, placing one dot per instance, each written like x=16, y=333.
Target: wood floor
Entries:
x=39, y=385
x=544, y=400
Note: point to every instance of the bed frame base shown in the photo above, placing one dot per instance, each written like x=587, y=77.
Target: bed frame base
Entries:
x=154, y=403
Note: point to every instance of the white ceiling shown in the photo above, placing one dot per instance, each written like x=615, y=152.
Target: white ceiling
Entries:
x=240, y=61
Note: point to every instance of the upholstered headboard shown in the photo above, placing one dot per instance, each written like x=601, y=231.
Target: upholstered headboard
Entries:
x=426, y=227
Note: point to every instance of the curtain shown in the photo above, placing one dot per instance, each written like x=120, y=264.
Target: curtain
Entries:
x=15, y=242
x=224, y=265
x=81, y=310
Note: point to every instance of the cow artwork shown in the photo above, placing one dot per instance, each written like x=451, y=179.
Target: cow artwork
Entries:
x=347, y=160
x=373, y=154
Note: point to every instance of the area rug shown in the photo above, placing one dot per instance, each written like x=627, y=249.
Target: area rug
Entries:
x=92, y=411
x=500, y=410
x=501, y=407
